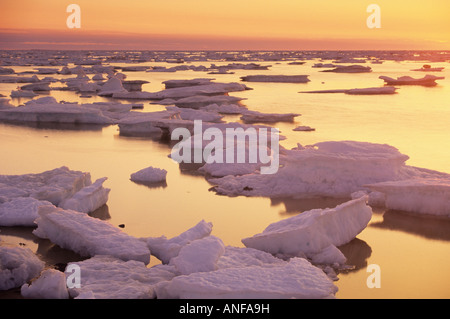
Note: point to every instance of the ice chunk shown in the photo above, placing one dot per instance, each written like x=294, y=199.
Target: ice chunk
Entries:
x=55, y=113
x=350, y=69
x=246, y=257
x=295, y=279
x=426, y=196
x=165, y=249
x=192, y=115
x=277, y=78
x=88, y=198
x=312, y=233
x=334, y=169
x=113, y=85
x=170, y=84
x=360, y=91
x=372, y=91
x=20, y=93
x=106, y=277
x=53, y=185
x=427, y=80
x=17, y=266
x=199, y=255
x=5, y=103
x=206, y=89
x=258, y=117
x=88, y=236
x=428, y=68
x=20, y=211
x=304, y=128
x=51, y=284
x=198, y=101
x=142, y=124
x=149, y=175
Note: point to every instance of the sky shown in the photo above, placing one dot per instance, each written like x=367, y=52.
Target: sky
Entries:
x=225, y=25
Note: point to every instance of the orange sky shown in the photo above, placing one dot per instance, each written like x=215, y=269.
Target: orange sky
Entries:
x=231, y=24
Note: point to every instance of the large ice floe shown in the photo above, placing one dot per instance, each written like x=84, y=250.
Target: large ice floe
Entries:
x=276, y=78
x=350, y=69
x=213, y=88
x=17, y=266
x=360, y=91
x=295, y=279
x=427, y=80
x=51, y=111
x=48, y=110
x=315, y=234
x=205, y=268
x=88, y=236
x=426, y=195
x=330, y=169
x=259, y=117
x=21, y=196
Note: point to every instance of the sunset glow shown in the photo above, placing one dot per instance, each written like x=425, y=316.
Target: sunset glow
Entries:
x=180, y=24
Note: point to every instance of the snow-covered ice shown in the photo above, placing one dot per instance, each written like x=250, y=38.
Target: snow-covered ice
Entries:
x=51, y=284
x=89, y=198
x=20, y=211
x=55, y=113
x=360, y=91
x=427, y=80
x=315, y=233
x=17, y=266
x=112, y=86
x=422, y=195
x=199, y=255
x=350, y=69
x=107, y=277
x=294, y=279
x=258, y=117
x=304, y=128
x=88, y=236
x=165, y=249
x=149, y=175
x=276, y=78
x=54, y=185
x=322, y=169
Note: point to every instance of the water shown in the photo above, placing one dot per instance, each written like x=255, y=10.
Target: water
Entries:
x=412, y=251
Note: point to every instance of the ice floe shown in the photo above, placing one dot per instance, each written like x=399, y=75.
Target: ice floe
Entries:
x=324, y=169
x=314, y=234
x=51, y=284
x=107, y=277
x=89, y=198
x=165, y=249
x=350, y=69
x=427, y=80
x=88, y=236
x=360, y=91
x=199, y=255
x=276, y=78
x=149, y=175
x=294, y=279
x=18, y=265
x=20, y=211
x=54, y=113
x=304, y=128
x=428, y=68
x=425, y=195
x=53, y=185
x=258, y=117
